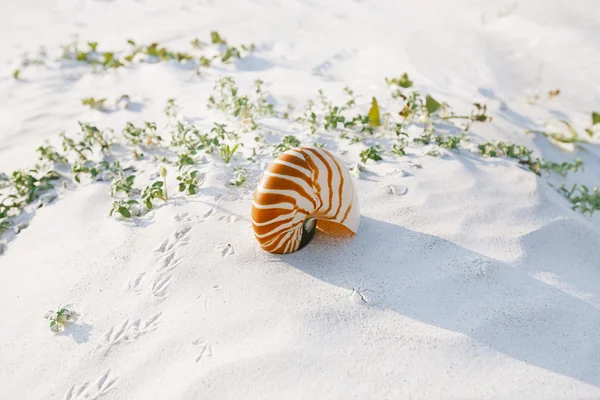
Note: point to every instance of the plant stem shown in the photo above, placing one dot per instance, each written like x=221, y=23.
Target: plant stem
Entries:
x=165, y=184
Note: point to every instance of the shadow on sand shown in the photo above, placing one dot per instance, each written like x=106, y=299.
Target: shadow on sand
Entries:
x=440, y=283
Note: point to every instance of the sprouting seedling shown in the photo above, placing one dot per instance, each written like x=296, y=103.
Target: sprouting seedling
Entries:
x=553, y=93
x=16, y=73
x=449, y=142
x=370, y=154
x=126, y=208
x=60, y=319
x=262, y=106
x=197, y=44
x=157, y=190
x=94, y=104
x=241, y=176
x=30, y=185
x=573, y=136
x=143, y=135
x=122, y=184
x=49, y=153
x=226, y=152
x=287, y=143
x=189, y=180
x=333, y=118
x=80, y=147
x=583, y=199
x=185, y=159
x=216, y=38
x=403, y=81
x=171, y=109
x=93, y=135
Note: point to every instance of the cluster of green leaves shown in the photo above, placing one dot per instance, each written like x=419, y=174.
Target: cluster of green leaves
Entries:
x=59, y=320
x=189, y=180
x=226, y=98
x=525, y=157
x=287, y=142
x=122, y=184
x=20, y=189
x=102, y=170
x=90, y=136
x=240, y=176
x=139, y=137
x=573, y=136
x=93, y=103
x=371, y=153
x=49, y=153
x=228, y=52
x=154, y=52
x=583, y=199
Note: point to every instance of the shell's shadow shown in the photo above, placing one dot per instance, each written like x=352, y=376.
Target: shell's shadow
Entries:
x=440, y=283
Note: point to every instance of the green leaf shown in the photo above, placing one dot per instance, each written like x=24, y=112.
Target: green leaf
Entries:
x=431, y=104
x=149, y=204
x=52, y=323
x=374, y=117
x=590, y=132
x=404, y=81
x=124, y=212
x=595, y=118
x=192, y=189
x=181, y=187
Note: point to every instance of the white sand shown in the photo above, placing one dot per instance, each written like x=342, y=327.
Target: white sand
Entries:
x=479, y=282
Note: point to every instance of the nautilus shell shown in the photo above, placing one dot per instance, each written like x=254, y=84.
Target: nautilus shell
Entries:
x=303, y=189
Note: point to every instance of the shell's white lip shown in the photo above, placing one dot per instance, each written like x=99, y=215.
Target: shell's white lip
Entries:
x=310, y=224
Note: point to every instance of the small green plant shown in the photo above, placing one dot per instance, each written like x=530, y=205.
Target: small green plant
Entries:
x=171, y=109
x=399, y=149
x=60, y=319
x=94, y=104
x=370, y=154
x=583, y=199
x=157, y=190
x=103, y=171
x=122, y=184
x=126, y=208
x=16, y=73
x=404, y=81
x=449, y=142
x=241, y=176
x=49, y=153
x=216, y=38
x=93, y=135
x=78, y=146
x=226, y=152
x=141, y=136
x=287, y=143
x=185, y=160
x=189, y=180
x=30, y=185
x=553, y=93
x=333, y=118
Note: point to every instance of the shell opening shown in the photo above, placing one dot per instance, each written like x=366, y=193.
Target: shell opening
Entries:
x=308, y=231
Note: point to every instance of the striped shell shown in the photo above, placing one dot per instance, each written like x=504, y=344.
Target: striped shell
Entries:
x=303, y=189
